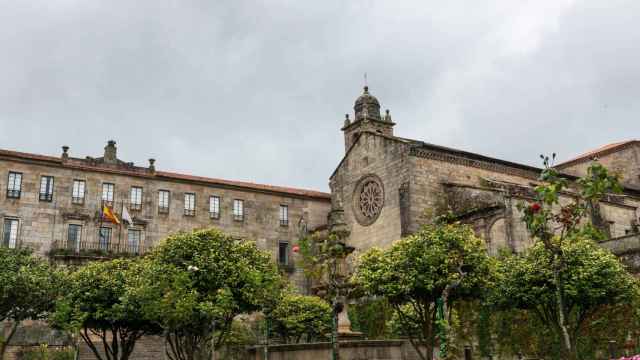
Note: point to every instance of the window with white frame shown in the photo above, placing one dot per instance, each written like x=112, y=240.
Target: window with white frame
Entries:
x=284, y=215
x=74, y=237
x=134, y=237
x=238, y=210
x=136, y=198
x=190, y=204
x=214, y=207
x=163, y=201
x=107, y=193
x=46, y=188
x=77, y=192
x=10, y=233
x=14, y=185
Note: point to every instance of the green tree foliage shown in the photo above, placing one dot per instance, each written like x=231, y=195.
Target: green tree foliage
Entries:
x=197, y=282
x=553, y=223
x=297, y=317
x=441, y=260
x=371, y=317
x=97, y=306
x=28, y=289
x=593, y=281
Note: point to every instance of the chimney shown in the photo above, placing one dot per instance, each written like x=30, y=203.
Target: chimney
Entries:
x=110, y=153
x=65, y=152
x=152, y=166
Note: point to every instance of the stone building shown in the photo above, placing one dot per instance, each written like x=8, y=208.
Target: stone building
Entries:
x=386, y=186
x=55, y=206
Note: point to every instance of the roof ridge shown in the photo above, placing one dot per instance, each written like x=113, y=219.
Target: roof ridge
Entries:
x=601, y=150
x=78, y=163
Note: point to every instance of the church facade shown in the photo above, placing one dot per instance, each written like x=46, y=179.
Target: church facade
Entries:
x=385, y=187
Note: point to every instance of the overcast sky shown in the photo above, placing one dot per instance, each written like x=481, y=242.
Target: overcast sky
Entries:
x=257, y=91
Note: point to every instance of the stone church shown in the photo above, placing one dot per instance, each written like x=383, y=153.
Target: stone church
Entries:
x=384, y=188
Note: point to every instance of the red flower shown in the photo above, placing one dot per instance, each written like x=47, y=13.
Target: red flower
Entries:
x=296, y=248
x=535, y=207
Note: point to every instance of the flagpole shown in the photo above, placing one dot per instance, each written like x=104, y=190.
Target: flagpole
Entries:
x=120, y=231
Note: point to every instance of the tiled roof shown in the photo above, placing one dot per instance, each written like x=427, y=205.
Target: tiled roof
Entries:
x=82, y=164
x=601, y=151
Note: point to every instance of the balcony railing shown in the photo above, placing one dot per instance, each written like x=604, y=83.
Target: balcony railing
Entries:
x=97, y=249
x=163, y=209
x=46, y=197
x=14, y=194
x=135, y=206
x=189, y=212
x=214, y=215
x=78, y=200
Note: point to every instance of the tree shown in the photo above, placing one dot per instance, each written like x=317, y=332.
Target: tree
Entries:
x=96, y=304
x=298, y=316
x=440, y=261
x=28, y=289
x=197, y=282
x=593, y=279
x=553, y=222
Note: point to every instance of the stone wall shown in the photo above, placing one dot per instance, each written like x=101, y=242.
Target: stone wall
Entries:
x=387, y=159
x=625, y=162
x=349, y=350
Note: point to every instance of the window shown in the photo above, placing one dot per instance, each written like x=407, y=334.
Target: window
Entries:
x=46, y=188
x=133, y=241
x=10, y=237
x=136, y=198
x=283, y=253
x=238, y=210
x=107, y=194
x=74, y=236
x=214, y=207
x=284, y=215
x=77, y=192
x=190, y=204
x=163, y=202
x=104, y=238
x=14, y=186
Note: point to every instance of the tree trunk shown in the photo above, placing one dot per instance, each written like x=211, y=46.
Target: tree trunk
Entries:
x=566, y=338
x=5, y=342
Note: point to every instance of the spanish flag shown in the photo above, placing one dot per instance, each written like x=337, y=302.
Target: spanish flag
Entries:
x=106, y=212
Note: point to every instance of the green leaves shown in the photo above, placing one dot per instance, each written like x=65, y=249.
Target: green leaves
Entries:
x=297, y=316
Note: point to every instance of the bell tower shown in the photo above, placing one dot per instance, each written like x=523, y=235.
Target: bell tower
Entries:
x=367, y=118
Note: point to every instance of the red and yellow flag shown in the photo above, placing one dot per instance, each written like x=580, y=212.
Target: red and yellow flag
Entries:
x=106, y=212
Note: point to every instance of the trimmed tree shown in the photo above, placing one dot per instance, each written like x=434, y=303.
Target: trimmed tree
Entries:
x=97, y=306
x=199, y=281
x=553, y=223
x=28, y=289
x=298, y=316
x=593, y=280
x=441, y=263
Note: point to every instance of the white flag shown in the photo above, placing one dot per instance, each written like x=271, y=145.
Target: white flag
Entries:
x=125, y=215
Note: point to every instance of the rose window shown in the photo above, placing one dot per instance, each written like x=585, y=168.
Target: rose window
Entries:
x=368, y=199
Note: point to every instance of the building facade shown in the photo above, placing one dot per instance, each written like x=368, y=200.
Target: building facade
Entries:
x=56, y=205
x=386, y=187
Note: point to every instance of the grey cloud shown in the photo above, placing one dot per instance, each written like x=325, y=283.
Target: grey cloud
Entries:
x=257, y=90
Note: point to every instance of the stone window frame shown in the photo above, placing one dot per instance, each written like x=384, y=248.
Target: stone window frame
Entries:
x=137, y=248
x=106, y=200
x=214, y=206
x=16, y=241
x=360, y=217
x=164, y=209
x=14, y=191
x=189, y=204
x=136, y=194
x=78, y=242
x=285, y=254
x=284, y=215
x=48, y=182
x=238, y=210
x=78, y=198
